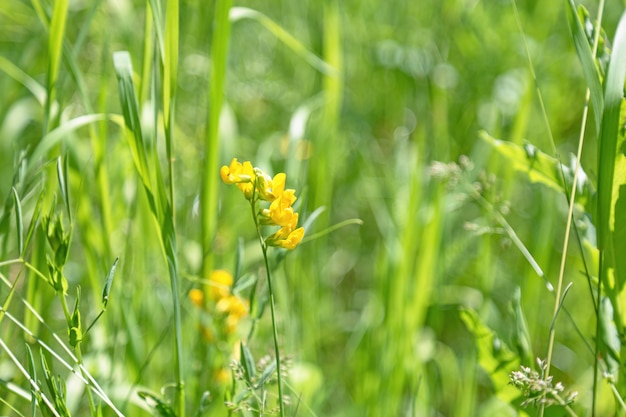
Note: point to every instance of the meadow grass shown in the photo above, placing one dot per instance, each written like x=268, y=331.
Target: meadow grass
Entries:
x=459, y=169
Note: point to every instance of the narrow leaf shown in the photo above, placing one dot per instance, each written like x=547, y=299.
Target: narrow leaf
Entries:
x=493, y=355
x=587, y=62
x=108, y=283
x=154, y=402
x=62, y=177
x=19, y=224
x=247, y=361
x=609, y=152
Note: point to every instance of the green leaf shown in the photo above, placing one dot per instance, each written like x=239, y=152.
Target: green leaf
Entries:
x=521, y=336
x=19, y=223
x=610, y=344
x=493, y=355
x=239, y=13
x=266, y=374
x=62, y=178
x=61, y=132
x=75, y=330
x=587, y=61
x=108, y=283
x=34, y=219
x=154, y=402
x=247, y=361
x=611, y=152
x=542, y=168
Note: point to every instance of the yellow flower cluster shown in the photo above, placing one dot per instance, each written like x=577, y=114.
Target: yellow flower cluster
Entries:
x=226, y=303
x=257, y=185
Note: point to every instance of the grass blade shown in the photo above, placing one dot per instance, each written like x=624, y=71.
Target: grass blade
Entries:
x=610, y=150
x=219, y=52
x=587, y=62
x=55, y=51
x=239, y=13
x=19, y=223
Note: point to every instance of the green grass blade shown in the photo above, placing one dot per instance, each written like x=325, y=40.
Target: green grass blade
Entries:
x=239, y=13
x=63, y=185
x=609, y=151
x=494, y=356
x=55, y=51
x=170, y=66
x=219, y=55
x=19, y=223
x=61, y=132
x=170, y=80
x=587, y=61
x=13, y=71
x=130, y=110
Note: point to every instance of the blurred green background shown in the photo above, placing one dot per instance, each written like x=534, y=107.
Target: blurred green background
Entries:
x=368, y=314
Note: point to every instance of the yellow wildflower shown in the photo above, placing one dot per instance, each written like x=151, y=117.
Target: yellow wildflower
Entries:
x=256, y=183
x=271, y=189
x=286, y=237
x=242, y=175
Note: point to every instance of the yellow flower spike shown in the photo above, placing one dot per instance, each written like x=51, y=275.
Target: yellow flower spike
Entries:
x=220, y=283
x=286, y=237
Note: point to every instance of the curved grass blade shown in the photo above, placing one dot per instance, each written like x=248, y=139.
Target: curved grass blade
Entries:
x=13, y=71
x=58, y=134
x=239, y=13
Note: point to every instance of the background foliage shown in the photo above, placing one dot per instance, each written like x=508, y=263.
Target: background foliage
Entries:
x=373, y=109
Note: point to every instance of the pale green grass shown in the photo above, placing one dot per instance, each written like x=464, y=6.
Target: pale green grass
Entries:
x=431, y=285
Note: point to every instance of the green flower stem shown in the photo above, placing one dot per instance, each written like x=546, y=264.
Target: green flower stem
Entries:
x=272, y=304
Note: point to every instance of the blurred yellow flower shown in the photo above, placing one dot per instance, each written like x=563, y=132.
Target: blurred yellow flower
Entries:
x=220, y=283
x=230, y=308
x=197, y=297
x=235, y=308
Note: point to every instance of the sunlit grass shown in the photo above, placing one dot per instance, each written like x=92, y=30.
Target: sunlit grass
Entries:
x=430, y=144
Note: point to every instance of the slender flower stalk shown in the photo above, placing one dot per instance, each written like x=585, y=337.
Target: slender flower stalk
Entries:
x=259, y=187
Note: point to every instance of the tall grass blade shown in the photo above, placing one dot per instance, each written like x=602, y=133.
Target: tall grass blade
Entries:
x=170, y=79
x=585, y=55
x=148, y=167
x=611, y=153
x=219, y=55
x=55, y=51
x=19, y=222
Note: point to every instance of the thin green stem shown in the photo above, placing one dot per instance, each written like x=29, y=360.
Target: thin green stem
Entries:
x=272, y=303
